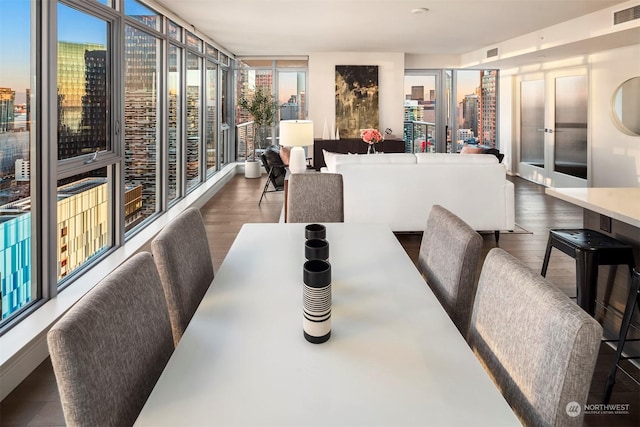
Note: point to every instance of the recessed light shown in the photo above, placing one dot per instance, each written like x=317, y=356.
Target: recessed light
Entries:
x=419, y=10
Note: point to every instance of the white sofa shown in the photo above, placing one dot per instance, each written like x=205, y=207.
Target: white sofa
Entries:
x=399, y=189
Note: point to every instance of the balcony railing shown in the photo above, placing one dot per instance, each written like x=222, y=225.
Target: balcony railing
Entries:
x=419, y=137
x=245, y=140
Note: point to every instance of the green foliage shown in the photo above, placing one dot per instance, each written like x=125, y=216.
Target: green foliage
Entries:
x=262, y=106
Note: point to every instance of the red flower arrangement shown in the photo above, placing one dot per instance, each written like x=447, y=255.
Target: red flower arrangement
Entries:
x=371, y=136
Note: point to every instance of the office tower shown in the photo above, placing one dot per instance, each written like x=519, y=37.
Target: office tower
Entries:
x=7, y=101
x=488, y=115
x=470, y=113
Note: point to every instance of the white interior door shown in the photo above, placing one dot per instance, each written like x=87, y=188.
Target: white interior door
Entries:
x=553, y=128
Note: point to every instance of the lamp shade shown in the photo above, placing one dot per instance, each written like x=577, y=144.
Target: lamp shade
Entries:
x=296, y=133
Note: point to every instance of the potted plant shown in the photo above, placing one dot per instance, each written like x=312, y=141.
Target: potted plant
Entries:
x=262, y=106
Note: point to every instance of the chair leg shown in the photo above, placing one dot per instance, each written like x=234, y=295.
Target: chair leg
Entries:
x=266, y=185
x=632, y=302
x=547, y=255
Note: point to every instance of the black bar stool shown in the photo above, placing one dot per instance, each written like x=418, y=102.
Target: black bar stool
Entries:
x=590, y=249
x=633, y=302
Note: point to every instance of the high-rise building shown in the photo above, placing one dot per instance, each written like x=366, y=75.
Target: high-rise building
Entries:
x=417, y=93
x=7, y=101
x=15, y=249
x=470, y=113
x=290, y=109
x=141, y=114
x=488, y=115
x=23, y=170
x=75, y=81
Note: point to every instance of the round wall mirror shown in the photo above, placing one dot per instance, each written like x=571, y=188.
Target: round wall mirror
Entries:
x=626, y=106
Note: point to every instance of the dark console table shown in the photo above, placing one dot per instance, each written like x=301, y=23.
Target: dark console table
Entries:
x=351, y=145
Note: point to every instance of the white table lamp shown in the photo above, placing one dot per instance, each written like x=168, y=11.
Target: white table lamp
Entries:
x=296, y=134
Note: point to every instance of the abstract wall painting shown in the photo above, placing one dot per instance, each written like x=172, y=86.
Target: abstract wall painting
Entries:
x=356, y=99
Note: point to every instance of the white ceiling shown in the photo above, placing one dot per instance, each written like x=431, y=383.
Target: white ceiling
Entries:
x=301, y=27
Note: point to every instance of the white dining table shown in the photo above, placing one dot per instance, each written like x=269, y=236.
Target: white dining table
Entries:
x=394, y=357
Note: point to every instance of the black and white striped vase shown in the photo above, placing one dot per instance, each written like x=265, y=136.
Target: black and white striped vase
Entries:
x=317, y=301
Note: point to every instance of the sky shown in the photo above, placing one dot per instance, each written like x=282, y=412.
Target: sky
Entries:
x=15, y=35
x=14, y=44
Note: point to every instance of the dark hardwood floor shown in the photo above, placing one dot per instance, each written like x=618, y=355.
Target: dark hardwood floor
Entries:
x=35, y=402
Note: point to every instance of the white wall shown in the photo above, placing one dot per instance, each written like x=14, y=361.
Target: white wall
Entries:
x=322, y=84
x=615, y=155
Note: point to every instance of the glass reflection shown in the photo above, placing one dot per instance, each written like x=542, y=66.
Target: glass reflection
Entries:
x=211, y=116
x=142, y=14
x=194, y=79
x=141, y=112
x=174, y=120
x=83, y=103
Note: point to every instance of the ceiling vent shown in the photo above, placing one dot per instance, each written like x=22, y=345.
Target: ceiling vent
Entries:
x=492, y=52
x=626, y=15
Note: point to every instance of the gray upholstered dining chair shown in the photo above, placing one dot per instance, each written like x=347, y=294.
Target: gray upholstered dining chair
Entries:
x=181, y=252
x=448, y=260
x=539, y=347
x=109, y=350
x=315, y=197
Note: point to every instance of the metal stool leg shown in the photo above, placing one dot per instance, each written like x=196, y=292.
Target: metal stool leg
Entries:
x=632, y=302
x=587, y=280
x=547, y=255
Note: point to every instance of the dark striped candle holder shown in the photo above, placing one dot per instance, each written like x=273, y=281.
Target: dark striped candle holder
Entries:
x=316, y=321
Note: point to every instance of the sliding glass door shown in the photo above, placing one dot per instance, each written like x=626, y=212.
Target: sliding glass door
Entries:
x=424, y=112
x=446, y=109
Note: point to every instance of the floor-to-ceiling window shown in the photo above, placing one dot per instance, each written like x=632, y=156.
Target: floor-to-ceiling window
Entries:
x=441, y=106
x=142, y=110
x=109, y=112
x=286, y=81
x=87, y=150
x=18, y=285
x=420, y=93
x=475, y=106
x=193, y=108
x=175, y=100
x=211, y=112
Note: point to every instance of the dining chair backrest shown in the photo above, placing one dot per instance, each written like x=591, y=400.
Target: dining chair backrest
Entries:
x=539, y=347
x=315, y=197
x=109, y=350
x=181, y=252
x=448, y=260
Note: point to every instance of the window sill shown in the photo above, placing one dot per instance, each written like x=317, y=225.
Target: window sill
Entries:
x=24, y=347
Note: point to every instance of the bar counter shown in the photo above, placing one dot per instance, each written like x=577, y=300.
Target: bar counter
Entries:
x=615, y=212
